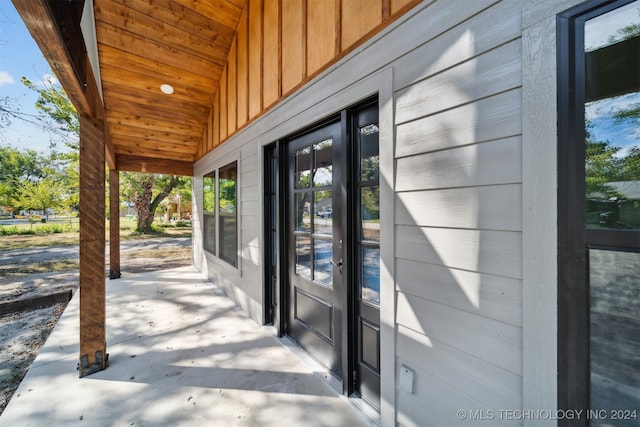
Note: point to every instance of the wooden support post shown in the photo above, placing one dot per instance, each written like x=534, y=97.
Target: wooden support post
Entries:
x=93, y=357
x=114, y=224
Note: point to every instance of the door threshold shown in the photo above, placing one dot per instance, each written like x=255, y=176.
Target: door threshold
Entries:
x=368, y=413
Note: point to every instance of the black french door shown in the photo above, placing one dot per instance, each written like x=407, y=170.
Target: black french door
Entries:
x=315, y=244
x=322, y=235
x=366, y=246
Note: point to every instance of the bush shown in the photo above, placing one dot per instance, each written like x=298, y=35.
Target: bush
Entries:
x=50, y=229
x=44, y=229
x=8, y=230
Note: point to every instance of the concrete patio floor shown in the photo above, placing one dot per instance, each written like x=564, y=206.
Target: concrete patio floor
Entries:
x=180, y=354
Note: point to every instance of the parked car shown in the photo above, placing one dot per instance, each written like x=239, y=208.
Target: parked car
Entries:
x=325, y=213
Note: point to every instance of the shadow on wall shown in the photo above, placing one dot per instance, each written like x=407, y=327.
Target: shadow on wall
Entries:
x=458, y=213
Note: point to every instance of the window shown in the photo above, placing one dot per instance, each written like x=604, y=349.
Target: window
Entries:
x=209, y=210
x=599, y=210
x=221, y=213
x=227, y=214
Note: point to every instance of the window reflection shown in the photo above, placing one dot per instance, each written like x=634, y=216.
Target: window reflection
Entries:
x=322, y=257
x=323, y=170
x=369, y=213
x=614, y=286
x=370, y=275
x=323, y=208
x=227, y=213
x=612, y=115
x=209, y=211
x=303, y=256
x=303, y=168
x=369, y=153
x=303, y=211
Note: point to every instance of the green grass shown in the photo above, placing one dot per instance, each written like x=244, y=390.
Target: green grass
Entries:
x=66, y=232
x=40, y=267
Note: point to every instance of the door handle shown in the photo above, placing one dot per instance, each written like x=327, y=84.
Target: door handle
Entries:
x=337, y=264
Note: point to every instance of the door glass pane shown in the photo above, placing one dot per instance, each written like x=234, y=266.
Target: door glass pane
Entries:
x=303, y=207
x=370, y=213
x=322, y=257
x=370, y=289
x=303, y=256
x=369, y=157
x=612, y=115
x=323, y=170
x=614, y=285
x=323, y=208
x=303, y=168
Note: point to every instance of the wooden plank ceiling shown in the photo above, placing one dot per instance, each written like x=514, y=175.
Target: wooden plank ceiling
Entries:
x=143, y=44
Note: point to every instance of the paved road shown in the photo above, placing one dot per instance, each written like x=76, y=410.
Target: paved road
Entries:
x=41, y=254
x=13, y=221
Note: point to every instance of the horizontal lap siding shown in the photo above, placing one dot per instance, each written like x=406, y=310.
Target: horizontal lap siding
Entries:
x=461, y=370
x=196, y=220
x=458, y=214
x=250, y=203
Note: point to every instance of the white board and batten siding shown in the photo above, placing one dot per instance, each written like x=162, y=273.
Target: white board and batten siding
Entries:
x=450, y=75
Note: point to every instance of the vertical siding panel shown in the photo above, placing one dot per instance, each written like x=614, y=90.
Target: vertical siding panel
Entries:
x=206, y=141
x=271, y=73
x=321, y=29
x=210, y=130
x=255, y=56
x=232, y=88
x=396, y=5
x=358, y=18
x=202, y=148
x=243, y=72
x=223, y=105
x=216, y=120
x=292, y=44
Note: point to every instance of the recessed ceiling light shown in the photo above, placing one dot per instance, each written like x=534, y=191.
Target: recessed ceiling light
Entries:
x=165, y=88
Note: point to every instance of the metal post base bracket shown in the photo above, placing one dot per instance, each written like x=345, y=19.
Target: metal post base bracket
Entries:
x=87, y=369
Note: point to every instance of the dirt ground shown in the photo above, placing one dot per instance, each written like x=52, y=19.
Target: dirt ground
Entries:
x=27, y=273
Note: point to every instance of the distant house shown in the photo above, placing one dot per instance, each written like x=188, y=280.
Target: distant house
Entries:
x=629, y=189
x=457, y=279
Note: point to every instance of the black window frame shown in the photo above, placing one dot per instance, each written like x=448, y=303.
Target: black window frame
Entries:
x=218, y=248
x=574, y=239
x=229, y=255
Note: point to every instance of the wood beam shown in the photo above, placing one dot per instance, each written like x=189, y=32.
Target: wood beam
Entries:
x=114, y=224
x=93, y=356
x=133, y=163
x=44, y=30
x=109, y=149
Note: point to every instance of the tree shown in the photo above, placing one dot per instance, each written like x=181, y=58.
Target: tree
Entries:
x=60, y=118
x=39, y=196
x=139, y=188
x=18, y=167
x=58, y=115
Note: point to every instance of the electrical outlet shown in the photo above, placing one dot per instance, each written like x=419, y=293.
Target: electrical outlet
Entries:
x=407, y=379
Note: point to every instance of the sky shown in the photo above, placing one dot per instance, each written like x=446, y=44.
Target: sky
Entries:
x=20, y=56
x=600, y=113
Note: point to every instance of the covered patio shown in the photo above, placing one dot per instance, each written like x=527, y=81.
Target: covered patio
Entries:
x=180, y=354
